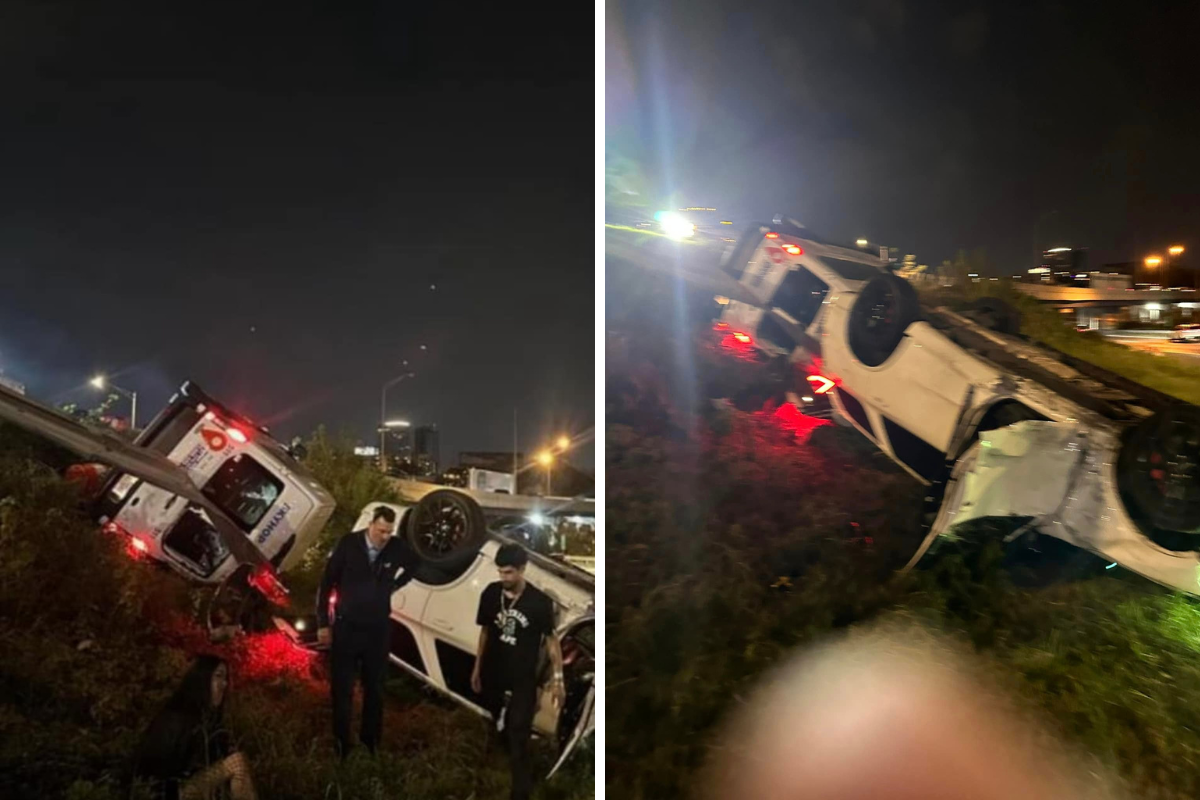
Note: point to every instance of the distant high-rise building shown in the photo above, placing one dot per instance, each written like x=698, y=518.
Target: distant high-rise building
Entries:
x=427, y=449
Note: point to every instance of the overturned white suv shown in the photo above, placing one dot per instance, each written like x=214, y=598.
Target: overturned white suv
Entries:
x=433, y=630
x=994, y=424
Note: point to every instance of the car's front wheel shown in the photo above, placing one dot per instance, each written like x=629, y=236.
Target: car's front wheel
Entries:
x=446, y=525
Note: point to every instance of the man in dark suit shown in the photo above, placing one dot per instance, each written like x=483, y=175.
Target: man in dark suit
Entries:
x=364, y=569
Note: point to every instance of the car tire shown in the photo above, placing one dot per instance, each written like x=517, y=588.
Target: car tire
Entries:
x=445, y=527
x=1158, y=476
x=884, y=309
x=996, y=315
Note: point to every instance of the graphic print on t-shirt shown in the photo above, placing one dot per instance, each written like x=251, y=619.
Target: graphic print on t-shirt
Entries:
x=507, y=621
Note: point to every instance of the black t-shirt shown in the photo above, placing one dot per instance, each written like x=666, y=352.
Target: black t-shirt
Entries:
x=515, y=632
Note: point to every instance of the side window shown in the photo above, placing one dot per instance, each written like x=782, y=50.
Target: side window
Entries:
x=456, y=665
x=769, y=330
x=855, y=410
x=404, y=647
x=244, y=490
x=194, y=538
x=920, y=456
x=800, y=295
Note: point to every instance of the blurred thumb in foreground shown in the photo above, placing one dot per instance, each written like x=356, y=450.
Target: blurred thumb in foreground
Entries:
x=892, y=714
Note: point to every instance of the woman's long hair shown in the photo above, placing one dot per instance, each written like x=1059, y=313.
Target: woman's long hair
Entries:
x=187, y=720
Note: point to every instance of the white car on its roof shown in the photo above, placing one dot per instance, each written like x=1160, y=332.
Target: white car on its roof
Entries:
x=1000, y=426
x=433, y=630
x=994, y=424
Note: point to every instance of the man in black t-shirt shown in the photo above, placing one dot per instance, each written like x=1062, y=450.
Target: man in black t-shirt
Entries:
x=516, y=621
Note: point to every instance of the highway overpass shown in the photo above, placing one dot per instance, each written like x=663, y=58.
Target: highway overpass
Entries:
x=1082, y=297
x=1105, y=308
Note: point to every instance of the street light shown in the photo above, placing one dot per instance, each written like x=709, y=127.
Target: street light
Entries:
x=861, y=242
x=383, y=425
x=563, y=442
x=101, y=382
x=1175, y=250
x=546, y=459
x=1153, y=261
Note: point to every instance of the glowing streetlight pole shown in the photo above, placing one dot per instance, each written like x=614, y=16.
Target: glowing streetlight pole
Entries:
x=101, y=382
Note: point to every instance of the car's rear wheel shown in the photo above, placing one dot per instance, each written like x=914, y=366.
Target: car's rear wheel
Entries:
x=1158, y=475
x=446, y=526
x=885, y=307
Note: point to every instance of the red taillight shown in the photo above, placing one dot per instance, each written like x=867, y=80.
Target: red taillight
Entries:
x=721, y=326
x=820, y=384
x=135, y=546
x=744, y=338
x=772, y=235
x=237, y=436
x=794, y=249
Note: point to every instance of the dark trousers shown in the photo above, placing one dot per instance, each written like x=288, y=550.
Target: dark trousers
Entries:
x=356, y=652
x=518, y=728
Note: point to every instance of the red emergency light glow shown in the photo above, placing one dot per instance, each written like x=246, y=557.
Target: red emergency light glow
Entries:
x=772, y=235
x=820, y=384
x=264, y=580
x=794, y=249
x=237, y=435
x=138, y=544
x=744, y=338
x=800, y=424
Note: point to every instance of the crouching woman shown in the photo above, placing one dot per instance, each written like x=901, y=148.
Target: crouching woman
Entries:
x=186, y=752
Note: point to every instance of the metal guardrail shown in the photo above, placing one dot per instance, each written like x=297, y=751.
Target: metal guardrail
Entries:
x=583, y=562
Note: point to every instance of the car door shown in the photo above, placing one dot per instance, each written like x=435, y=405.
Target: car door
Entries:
x=450, y=635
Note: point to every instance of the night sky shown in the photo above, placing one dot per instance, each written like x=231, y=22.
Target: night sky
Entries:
x=929, y=126
x=260, y=198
